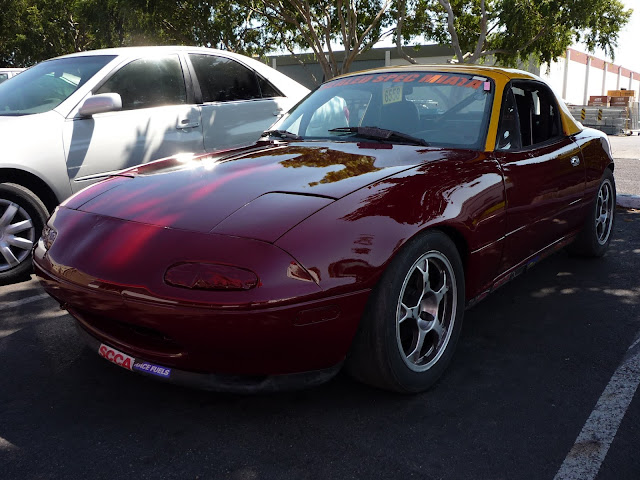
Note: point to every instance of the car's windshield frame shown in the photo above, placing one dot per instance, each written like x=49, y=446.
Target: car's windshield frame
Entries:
x=458, y=90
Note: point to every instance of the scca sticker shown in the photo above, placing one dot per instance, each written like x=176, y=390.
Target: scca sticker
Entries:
x=435, y=78
x=121, y=359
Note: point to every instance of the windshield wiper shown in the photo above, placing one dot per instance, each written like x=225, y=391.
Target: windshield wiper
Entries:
x=376, y=133
x=282, y=134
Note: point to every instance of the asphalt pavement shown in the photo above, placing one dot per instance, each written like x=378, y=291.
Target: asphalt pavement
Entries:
x=626, y=152
x=542, y=386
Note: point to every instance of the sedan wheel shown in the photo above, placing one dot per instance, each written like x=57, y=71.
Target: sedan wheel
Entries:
x=22, y=217
x=413, y=319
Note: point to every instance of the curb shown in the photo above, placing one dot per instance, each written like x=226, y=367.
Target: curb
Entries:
x=628, y=201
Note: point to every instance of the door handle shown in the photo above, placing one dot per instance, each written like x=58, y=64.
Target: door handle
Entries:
x=277, y=112
x=575, y=161
x=184, y=124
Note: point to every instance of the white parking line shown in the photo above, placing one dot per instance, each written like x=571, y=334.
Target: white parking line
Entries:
x=590, y=449
x=23, y=301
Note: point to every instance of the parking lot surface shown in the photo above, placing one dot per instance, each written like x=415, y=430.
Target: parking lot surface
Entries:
x=542, y=386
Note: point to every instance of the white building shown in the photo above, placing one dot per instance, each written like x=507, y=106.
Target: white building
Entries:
x=575, y=77
x=578, y=76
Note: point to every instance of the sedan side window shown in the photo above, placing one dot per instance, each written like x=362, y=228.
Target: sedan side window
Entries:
x=224, y=80
x=148, y=82
x=537, y=113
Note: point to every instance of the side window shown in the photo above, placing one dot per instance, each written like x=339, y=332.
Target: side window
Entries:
x=224, y=80
x=537, y=112
x=267, y=90
x=148, y=82
x=509, y=131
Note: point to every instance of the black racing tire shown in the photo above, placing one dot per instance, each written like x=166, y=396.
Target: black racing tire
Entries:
x=595, y=236
x=22, y=218
x=404, y=347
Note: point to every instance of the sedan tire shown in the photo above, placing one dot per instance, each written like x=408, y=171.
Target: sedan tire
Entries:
x=410, y=328
x=22, y=217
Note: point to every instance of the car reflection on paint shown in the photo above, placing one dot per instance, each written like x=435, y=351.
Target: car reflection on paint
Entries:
x=354, y=233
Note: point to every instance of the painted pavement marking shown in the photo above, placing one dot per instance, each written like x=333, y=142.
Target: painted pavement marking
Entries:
x=590, y=449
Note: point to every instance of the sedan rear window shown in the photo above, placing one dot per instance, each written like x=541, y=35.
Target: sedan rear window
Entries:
x=443, y=109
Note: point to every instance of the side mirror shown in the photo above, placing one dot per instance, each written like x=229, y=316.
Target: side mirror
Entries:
x=101, y=103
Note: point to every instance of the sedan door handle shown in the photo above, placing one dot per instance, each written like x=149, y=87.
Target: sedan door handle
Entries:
x=277, y=112
x=184, y=124
x=575, y=161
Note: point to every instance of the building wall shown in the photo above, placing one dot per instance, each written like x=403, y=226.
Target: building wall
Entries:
x=587, y=76
x=574, y=77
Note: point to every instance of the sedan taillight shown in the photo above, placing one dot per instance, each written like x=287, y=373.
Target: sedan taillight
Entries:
x=210, y=276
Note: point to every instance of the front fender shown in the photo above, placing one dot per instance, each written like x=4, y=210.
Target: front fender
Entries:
x=33, y=144
x=348, y=244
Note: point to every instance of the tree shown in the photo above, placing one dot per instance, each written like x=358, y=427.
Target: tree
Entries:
x=515, y=30
x=317, y=24
x=34, y=30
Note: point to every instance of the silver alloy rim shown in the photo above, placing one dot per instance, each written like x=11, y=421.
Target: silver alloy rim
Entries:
x=17, y=235
x=604, y=212
x=426, y=311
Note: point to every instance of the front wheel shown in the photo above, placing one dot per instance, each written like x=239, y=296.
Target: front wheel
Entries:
x=595, y=236
x=22, y=217
x=413, y=319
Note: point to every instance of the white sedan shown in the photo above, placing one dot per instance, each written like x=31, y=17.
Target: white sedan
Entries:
x=7, y=73
x=73, y=120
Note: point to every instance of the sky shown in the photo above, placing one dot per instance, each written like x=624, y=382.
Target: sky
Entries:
x=627, y=54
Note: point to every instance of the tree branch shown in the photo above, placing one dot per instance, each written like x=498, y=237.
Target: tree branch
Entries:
x=455, y=42
x=483, y=34
x=357, y=46
x=402, y=10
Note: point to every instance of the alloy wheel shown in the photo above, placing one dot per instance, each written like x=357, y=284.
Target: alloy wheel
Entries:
x=17, y=235
x=604, y=212
x=426, y=311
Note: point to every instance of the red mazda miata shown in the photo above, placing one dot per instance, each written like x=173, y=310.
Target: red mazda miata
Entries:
x=354, y=233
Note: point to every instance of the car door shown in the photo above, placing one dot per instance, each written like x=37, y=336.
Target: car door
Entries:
x=543, y=169
x=157, y=119
x=237, y=103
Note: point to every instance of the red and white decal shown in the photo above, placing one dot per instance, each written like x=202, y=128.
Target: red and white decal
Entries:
x=121, y=359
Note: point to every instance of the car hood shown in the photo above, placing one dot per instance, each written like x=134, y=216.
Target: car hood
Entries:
x=266, y=184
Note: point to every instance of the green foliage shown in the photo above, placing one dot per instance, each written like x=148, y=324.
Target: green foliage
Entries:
x=521, y=29
x=516, y=30
x=34, y=30
x=297, y=25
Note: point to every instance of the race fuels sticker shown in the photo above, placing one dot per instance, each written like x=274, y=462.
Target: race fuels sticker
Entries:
x=437, y=78
x=115, y=356
x=147, y=367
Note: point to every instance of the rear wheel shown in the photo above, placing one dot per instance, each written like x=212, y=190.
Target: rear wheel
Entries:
x=595, y=236
x=22, y=217
x=413, y=319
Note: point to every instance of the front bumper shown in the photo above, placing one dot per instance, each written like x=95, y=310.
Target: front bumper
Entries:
x=233, y=383
x=212, y=333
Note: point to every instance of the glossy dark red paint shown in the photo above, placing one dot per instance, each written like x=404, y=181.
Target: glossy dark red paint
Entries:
x=318, y=223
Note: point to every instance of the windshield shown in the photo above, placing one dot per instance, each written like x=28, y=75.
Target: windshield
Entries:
x=441, y=109
x=45, y=86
